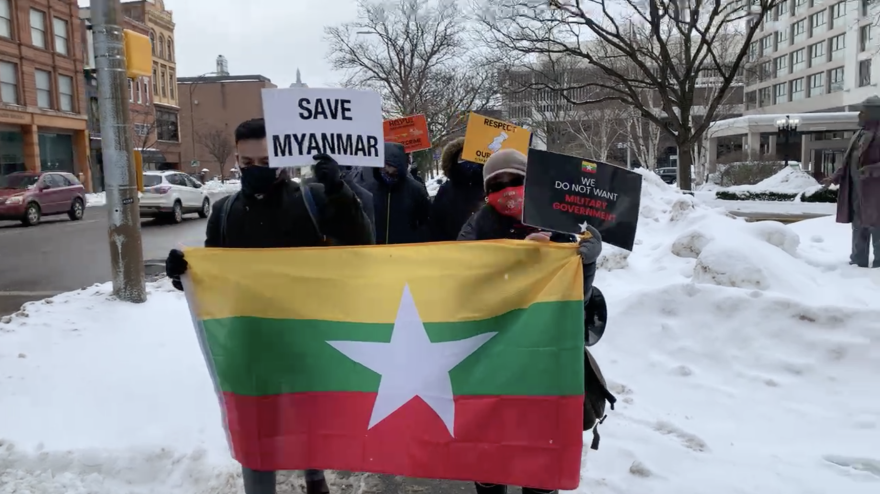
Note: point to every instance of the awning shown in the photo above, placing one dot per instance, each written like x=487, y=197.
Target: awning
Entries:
x=153, y=156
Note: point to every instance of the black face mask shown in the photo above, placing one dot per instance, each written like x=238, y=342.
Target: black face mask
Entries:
x=257, y=179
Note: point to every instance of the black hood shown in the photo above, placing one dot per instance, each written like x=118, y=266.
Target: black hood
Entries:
x=396, y=157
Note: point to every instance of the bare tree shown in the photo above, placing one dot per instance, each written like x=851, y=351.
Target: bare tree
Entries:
x=415, y=53
x=668, y=48
x=144, y=126
x=219, y=145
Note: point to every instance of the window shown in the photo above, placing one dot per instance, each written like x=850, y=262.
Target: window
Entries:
x=59, y=26
x=865, y=73
x=865, y=4
x=838, y=11
x=817, y=54
x=864, y=37
x=5, y=19
x=781, y=66
x=146, y=91
x=797, y=89
x=817, y=21
x=155, y=81
x=838, y=43
x=170, y=48
x=799, y=31
x=797, y=60
x=175, y=179
x=164, y=93
x=44, y=88
x=817, y=84
x=130, y=91
x=8, y=83
x=751, y=100
x=781, y=38
x=161, y=46
x=781, y=9
x=38, y=28
x=153, y=42
x=166, y=126
x=753, y=51
x=765, y=71
x=767, y=44
x=137, y=90
x=765, y=96
x=171, y=84
x=65, y=93
x=835, y=80
x=141, y=130
x=799, y=6
x=779, y=91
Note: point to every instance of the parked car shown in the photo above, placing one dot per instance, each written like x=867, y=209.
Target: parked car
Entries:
x=668, y=175
x=172, y=194
x=28, y=196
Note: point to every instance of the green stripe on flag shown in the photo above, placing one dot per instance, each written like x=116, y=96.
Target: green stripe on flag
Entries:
x=538, y=351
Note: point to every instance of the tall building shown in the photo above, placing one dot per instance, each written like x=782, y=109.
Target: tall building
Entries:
x=211, y=107
x=299, y=82
x=165, y=100
x=43, y=124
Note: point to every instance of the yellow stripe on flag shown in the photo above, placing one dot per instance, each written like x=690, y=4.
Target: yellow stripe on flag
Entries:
x=450, y=281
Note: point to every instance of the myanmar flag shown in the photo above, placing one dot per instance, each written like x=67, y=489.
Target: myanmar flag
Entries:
x=458, y=360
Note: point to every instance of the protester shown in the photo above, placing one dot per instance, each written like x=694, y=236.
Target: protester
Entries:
x=501, y=217
x=400, y=203
x=416, y=174
x=858, y=199
x=362, y=194
x=459, y=197
x=272, y=211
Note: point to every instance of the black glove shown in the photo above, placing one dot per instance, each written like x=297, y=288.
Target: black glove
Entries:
x=327, y=173
x=175, y=267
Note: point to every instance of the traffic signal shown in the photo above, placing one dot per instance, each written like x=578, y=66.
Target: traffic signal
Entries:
x=138, y=54
x=139, y=170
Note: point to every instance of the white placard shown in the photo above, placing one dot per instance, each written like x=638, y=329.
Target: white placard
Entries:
x=344, y=123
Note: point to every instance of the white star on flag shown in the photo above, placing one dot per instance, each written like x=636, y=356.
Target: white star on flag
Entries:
x=411, y=366
x=583, y=226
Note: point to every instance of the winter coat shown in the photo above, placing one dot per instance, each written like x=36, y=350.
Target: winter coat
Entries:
x=458, y=198
x=281, y=219
x=362, y=194
x=489, y=224
x=401, y=210
x=867, y=156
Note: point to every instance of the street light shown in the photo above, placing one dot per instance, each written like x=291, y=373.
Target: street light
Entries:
x=787, y=128
x=625, y=145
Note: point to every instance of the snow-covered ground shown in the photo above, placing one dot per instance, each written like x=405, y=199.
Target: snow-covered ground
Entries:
x=433, y=184
x=745, y=357
x=789, y=180
x=96, y=199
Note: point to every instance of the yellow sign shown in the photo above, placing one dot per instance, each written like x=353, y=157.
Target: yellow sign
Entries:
x=139, y=169
x=138, y=54
x=485, y=136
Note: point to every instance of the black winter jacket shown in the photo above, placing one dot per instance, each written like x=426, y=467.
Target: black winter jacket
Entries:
x=281, y=219
x=458, y=198
x=401, y=210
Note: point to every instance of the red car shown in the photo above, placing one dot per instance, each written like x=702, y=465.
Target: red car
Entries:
x=28, y=196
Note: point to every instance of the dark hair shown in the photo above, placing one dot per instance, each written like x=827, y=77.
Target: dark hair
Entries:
x=254, y=128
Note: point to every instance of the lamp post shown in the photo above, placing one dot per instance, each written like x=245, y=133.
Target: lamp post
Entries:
x=625, y=145
x=787, y=128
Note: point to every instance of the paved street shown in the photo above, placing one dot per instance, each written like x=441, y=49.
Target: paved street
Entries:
x=59, y=255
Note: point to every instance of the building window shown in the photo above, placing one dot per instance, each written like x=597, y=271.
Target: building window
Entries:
x=166, y=126
x=161, y=46
x=838, y=11
x=38, y=28
x=838, y=45
x=767, y=45
x=751, y=100
x=44, y=88
x=780, y=93
x=781, y=38
x=797, y=60
x=765, y=70
x=171, y=83
x=765, y=96
x=753, y=51
x=137, y=90
x=146, y=91
x=799, y=31
x=141, y=129
x=153, y=42
x=835, y=80
x=817, y=22
x=864, y=9
x=864, y=37
x=65, y=93
x=170, y=50
x=781, y=9
x=130, y=91
x=8, y=83
x=781, y=65
x=817, y=84
x=155, y=81
x=797, y=89
x=59, y=26
x=5, y=19
x=817, y=54
x=162, y=83
x=865, y=73
x=800, y=6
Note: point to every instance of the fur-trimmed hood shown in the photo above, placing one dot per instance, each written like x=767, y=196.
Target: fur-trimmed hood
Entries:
x=451, y=153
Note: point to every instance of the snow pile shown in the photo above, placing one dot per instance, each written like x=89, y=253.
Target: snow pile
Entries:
x=789, y=180
x=217, y=189
x=743, y=355
x=433, y=184
x=97, y=199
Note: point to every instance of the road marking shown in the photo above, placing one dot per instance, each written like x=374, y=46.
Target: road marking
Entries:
x=12, y=293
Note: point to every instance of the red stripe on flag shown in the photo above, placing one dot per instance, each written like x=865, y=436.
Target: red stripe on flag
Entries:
x=534, y=441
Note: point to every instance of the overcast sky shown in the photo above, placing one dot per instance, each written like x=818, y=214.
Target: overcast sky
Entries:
x=266, y=37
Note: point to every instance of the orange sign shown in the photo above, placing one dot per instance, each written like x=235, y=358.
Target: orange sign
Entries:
x=411, y=131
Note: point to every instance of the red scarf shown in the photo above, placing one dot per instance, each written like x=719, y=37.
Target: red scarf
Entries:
x=509, y=201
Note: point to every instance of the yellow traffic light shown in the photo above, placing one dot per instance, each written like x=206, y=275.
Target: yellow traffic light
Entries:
x=138, y=54
x=139, y=170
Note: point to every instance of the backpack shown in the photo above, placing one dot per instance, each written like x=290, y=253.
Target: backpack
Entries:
x=596, y=392
x=311, y=207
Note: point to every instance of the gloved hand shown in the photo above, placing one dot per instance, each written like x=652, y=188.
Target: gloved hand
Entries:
x=175, y=267
x=327, y=173
x=590, y=246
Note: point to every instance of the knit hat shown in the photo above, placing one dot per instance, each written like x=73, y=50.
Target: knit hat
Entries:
x=871, y=101
x=506, y=160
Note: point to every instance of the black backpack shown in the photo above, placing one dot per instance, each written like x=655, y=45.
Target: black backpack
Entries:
x=596, y=393
x=311, y=207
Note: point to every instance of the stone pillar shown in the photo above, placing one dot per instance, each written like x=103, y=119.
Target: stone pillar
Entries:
x=81, y=153
x=30, y=134
x=772, y=146
x=753, y=140
x=806, y=154
x=712, y=155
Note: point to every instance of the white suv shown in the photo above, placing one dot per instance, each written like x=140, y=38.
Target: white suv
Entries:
x=172, y=194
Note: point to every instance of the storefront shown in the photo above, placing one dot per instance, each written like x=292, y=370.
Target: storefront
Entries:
x=11, y=150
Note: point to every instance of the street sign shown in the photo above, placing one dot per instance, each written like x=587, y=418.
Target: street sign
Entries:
x=194, y=163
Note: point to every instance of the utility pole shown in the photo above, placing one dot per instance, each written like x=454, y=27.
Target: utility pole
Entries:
x=120, y=182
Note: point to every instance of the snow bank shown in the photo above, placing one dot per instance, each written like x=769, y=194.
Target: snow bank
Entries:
x=215, y=190
x=743, y=355
x=97, y=199
x=789, y=180
x=433, y=185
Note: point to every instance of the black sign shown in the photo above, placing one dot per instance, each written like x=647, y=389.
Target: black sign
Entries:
x=566, y=193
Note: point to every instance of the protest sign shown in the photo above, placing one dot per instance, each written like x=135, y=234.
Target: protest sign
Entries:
x=303, y=122
x=411, y=132
x=566, y=193
x=485, y=136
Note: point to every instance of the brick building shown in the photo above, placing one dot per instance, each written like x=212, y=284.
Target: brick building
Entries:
x=43, y=123
x=212, y=104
